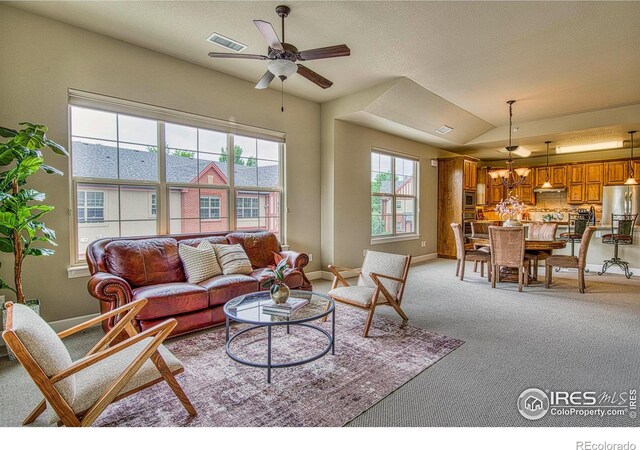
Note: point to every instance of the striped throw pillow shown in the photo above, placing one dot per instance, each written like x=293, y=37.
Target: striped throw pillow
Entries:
x=233, y=259
x=200, y=263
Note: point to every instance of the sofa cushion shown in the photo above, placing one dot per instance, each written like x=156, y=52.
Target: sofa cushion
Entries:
x=223, y=288
x=233, y=259
x=199, y=263
x=145, y=262
x=170, y=299
x=194, y=242
x=259, y=247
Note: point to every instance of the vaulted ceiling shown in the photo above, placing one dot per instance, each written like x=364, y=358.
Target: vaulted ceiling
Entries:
x=573, y=67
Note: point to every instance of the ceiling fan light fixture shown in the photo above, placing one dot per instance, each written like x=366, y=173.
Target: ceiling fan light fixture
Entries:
x=282, y=68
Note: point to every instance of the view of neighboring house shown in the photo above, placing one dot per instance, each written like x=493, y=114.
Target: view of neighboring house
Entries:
x=192, y=209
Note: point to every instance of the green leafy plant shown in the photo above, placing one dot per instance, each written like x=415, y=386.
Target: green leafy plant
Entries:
x=21, y=230
x=277, y=272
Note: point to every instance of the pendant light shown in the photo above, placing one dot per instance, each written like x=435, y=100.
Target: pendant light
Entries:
x=510, y=177
x=547, y=183
x=631, y=180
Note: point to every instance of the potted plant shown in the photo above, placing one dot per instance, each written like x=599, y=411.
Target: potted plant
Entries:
x=510, y=209
x=22, y=231
x=275, y=282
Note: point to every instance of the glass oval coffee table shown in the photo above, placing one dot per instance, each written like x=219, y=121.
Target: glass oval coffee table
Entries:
x=249, y=309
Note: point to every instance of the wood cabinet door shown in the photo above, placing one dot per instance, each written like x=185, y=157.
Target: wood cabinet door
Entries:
x=495, y=191
x=470, y=175
x=615, y=172
x=541, y=175
x=636, y=170
x=593, y=193
x=576, y=173
x=558, y=176
x=593, y=173
x=575, y=193
x=525, y=194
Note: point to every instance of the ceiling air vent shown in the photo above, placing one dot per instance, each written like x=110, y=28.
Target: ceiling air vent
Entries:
x=227, y=43
x=444, y=129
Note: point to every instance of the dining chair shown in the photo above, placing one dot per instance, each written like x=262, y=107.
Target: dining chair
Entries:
x=571, y=262
x=543, y=232
x=507, y=250
x=463, y=254
x=482, y=229
x=78, y=392
x=381, y=281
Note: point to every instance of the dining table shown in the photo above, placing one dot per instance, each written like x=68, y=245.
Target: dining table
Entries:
x=482, y=240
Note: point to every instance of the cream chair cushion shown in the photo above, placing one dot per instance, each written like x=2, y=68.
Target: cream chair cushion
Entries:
x=356, y=294
x=96, y=379
x=384, y=264
x=45, y=347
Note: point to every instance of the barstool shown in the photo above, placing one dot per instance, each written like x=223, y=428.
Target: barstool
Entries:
x=577, y=225
x=621, y=234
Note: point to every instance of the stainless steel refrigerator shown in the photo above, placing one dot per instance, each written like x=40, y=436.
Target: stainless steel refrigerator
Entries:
x=619, y=200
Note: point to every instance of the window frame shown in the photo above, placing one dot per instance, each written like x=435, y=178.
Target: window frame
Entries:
x=210, y=207
x=250, y=207
x=86, y=207
x=162, y=116
x=395, y=236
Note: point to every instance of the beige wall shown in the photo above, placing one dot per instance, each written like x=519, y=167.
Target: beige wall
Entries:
x=352, y=203
x=43, y=58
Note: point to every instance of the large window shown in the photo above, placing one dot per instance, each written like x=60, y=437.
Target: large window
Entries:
x=393, y=195
x=135, y=176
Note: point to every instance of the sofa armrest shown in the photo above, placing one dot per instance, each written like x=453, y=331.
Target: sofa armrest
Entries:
x=112, y=291
x=298, y=261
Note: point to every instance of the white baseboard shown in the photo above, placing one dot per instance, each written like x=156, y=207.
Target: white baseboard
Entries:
x=315, y=275
x=349, y=274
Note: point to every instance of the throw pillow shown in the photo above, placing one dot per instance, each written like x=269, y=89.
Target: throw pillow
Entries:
x=200, y=263
x=233, y=259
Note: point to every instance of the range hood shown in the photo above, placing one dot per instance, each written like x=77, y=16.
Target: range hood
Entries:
x=552, y=189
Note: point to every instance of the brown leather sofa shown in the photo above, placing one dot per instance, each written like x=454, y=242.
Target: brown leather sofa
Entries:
x=126, y=269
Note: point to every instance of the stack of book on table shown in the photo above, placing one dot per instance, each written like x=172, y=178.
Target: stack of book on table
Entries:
x=284, y=309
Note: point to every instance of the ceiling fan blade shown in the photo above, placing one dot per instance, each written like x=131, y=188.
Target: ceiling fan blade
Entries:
x=236, y=56
x=314, y=77
x=324, y=52
x=269, y=34
x=266, y=79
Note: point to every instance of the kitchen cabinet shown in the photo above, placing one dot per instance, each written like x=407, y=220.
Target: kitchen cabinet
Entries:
x=558, y=176
x=615, y=172
x=481, y=187
x=576, y=185
x=525, y=191
x=593, y=182
x=495, y=191
x=470, y=170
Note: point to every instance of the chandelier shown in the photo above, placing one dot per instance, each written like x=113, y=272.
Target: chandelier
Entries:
x=510, y=177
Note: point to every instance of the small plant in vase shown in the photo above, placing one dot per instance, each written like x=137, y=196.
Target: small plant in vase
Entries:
x=275, y=282
x=510, y=210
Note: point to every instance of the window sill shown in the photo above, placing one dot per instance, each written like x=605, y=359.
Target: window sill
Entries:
x=389, y=239
x=78, y=271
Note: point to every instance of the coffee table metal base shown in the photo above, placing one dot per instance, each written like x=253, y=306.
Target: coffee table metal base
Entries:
x=331, y=344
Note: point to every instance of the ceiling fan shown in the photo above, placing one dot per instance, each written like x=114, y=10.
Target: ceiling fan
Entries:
x=283, y=56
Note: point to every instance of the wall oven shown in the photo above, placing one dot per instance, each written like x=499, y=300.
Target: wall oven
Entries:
x=469, y=200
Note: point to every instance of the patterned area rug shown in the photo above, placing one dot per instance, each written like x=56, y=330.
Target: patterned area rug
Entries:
x=328, y=392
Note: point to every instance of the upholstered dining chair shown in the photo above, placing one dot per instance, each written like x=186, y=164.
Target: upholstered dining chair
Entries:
x=507, y=250
x=463, y=254
x=381, y=281
x=543, y=232
x=78, y=392
x=571, y=262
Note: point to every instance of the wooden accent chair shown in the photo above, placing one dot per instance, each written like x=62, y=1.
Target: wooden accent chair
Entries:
x=507, y=250
x=78, y=392
x=381, y=281
x=543, y=232
x=572, y=262
x=463, y=255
